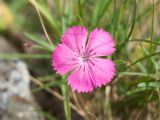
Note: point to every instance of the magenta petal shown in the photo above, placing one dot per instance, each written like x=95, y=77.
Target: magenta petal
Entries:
x=80, y=80
x=102, y=71
x=100, y=43
x=75, y=38
x=63, y=59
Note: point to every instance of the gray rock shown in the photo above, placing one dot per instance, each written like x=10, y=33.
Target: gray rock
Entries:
x=16, y=100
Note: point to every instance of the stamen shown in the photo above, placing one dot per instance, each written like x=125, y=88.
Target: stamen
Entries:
x=90, y=51
x=91, y=62
x=92, y=54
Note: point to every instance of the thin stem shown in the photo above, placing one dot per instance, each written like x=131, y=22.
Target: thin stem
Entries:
x=66, y=104
x=143, y=40
x=34, y=3
x=150, y=51
x=133, y=23
x=57, y=95
x=141, y=59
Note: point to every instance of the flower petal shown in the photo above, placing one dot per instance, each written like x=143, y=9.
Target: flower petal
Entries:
x=96, y=73
x=100, y=43
x=63, y=59
x=102, y=71
x=80, y=80
x=75, y=38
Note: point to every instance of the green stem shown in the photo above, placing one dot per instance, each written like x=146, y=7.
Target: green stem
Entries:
x=141, y=59
x=133, y=23
x=66, y=104
x=143, y=40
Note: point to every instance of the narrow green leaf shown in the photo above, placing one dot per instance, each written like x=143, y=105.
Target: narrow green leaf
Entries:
x=101, y=7
x=46, y=13
x=39, y=41
x=136, y=74
x=133, y=23
x=119, y=62
x=149, y=84
x=141, y=59
x=143, y=40
x=47, y=115
x=25, y=56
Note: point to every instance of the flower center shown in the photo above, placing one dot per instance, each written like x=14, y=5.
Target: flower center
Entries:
x=85, y=58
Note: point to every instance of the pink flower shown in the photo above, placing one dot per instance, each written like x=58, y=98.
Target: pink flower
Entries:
x=81, y=56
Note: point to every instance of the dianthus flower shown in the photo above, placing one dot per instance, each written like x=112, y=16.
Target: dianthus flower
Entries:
x=82, y=57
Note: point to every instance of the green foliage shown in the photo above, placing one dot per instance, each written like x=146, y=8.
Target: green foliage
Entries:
x=41, y=42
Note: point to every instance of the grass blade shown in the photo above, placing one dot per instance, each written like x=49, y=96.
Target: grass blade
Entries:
x=67, y=108
x=25, y=56
x=40, y=41
x=141, y=59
